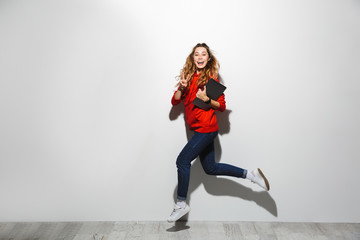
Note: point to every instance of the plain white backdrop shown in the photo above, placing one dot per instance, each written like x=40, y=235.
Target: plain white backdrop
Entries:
x=88, y=132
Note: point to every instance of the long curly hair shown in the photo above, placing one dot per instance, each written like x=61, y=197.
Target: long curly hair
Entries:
x=211, y=70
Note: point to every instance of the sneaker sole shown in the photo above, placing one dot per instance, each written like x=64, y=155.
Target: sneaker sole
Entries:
x=265, y=179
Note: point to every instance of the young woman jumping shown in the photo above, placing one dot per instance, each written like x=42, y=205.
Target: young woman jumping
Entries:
x=200, y=66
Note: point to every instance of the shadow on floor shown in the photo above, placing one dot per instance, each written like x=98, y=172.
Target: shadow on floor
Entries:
x=178, y=226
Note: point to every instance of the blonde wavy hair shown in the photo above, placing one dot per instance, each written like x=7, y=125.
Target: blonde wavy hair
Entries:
x=211, y=70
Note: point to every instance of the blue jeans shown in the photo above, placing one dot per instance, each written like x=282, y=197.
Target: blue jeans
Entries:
x=202, y=144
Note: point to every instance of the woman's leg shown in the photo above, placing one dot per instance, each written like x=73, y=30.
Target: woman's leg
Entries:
x=202, y=144
x=192, y=149
x=207, y=158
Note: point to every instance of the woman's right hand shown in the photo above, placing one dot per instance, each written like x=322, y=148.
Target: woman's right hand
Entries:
x=184, y=82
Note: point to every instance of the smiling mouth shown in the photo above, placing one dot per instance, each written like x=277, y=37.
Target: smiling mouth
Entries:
x=200, y=63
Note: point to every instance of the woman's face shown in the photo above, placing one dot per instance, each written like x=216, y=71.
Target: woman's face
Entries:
x=201, y=57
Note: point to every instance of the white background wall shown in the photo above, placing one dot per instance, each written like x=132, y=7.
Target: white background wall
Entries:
x=88, y=131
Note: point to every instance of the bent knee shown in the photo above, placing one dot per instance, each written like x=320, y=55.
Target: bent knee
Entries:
x=211, y=170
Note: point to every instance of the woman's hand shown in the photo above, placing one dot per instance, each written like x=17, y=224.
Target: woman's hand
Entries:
x=201, y=93
x=183, y=82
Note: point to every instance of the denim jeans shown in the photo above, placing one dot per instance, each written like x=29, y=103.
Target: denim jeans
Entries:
x=202, y=144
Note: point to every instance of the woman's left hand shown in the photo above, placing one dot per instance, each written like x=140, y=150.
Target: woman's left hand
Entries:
x=201, y=93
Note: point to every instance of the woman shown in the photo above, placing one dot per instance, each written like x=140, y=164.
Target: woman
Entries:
x=200, y=66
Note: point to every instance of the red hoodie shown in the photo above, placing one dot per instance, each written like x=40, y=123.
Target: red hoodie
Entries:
x=199, y=120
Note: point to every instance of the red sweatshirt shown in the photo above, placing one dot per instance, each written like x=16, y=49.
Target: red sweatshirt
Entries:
x=199, y=120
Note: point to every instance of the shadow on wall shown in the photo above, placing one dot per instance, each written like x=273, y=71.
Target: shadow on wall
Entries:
x=214, y=185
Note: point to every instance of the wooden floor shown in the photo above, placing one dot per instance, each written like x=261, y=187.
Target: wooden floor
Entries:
x=181, y=230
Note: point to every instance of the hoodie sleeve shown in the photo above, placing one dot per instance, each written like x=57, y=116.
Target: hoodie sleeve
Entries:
x=174, y=101
x=221, y=100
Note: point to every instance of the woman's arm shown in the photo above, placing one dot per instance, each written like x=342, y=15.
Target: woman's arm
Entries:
x=217, y=105
x=214, y=104
x=179, y=93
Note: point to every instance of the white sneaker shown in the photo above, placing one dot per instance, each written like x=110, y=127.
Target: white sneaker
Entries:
x=260, y=179
x=178, y=212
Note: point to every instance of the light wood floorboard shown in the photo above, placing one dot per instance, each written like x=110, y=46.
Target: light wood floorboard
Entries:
x=180, y=230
